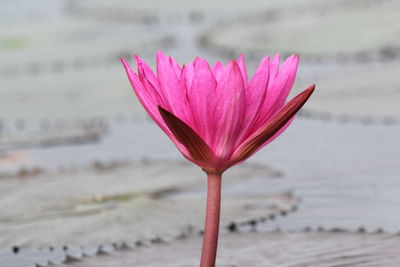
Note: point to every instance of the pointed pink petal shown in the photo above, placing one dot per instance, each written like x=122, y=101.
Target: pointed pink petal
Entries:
x=255, y=95
x=146, y=98
x=150, y=88
x=275, y=65
x=175, y=67
x=170, y=88
x=277, y=95
x=187, y=76
x=279, y=120
x=229, y=110
x=197, y=148
x=197, y=60
x=243, y=69
x=201, y=99
x=148, y=72
x=218, y=70
x=279, y=85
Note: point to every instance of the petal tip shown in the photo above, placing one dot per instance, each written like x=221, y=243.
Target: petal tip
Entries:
x=125, y=64
x=160, y=54
x=311, y=88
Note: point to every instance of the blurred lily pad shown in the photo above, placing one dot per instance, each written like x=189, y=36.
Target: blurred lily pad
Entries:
x=136, y=201
x=266, y=249
x=324, y=31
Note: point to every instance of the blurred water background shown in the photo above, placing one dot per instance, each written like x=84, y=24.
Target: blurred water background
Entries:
x=78, y=153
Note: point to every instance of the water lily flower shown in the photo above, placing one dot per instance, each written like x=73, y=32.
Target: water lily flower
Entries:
x=216, y=117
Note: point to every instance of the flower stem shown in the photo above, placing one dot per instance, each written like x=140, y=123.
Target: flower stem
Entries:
x=211, y=229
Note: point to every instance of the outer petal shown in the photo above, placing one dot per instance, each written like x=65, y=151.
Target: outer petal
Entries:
x=229, y=110
x=272, y=127
x=145, y=96
x=148, y=73
x=151, y=86
x=199, y=151
x=150, y=104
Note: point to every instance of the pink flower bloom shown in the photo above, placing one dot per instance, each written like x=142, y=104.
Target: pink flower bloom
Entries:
x=215, y=116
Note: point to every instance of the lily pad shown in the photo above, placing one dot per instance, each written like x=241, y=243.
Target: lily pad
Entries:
x=324, y=31
x=266, y=249
x=360, y=98
x=134, y=202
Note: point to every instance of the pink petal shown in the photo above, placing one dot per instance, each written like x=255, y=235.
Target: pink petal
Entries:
x=148, y=73
x=255, y=96
x=150, y=88
x=277, y=97
x=201, y=100
x=229, y=110
x=170, y=87
x=243, y=69
x=145, y=97
x=272, y=127
x=175, y=67
x=275, y=65
x=187, y=76
x=218, y=70
x=150, y=104
x=279, y=85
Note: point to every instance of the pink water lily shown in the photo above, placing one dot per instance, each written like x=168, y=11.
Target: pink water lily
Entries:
x=216, y=116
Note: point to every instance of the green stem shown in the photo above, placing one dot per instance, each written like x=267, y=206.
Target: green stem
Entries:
x=211, y=229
